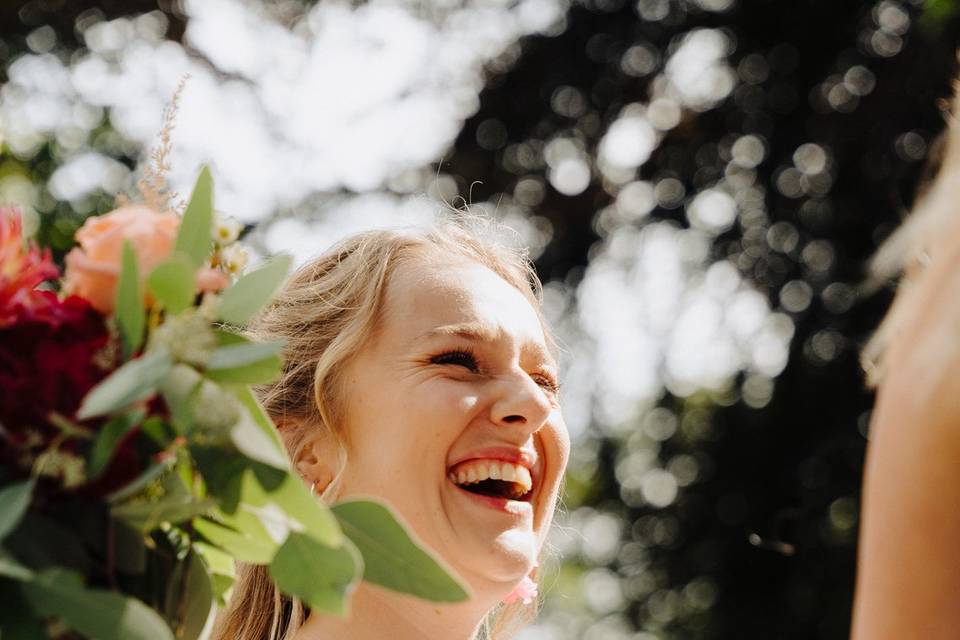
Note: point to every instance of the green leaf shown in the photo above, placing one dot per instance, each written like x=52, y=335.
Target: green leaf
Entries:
x=139, y=483
x=227, y=336
x=252, y=291
x=246, y=539
x=10, y=568
x=222, y=588
x=222, y=471
x=197, y=595
x=93, y=612
x=14, y=500
x=265, y=485
x=129, y=549
x=391, y=558
x=250, y=438
x=260, y=417
x=171, y=283
x=195, y=238
x=107, y=440
x=250, y=363
x=217, y=561
x=130, y=314
x=239, y=354
x=135, y=380
x=169, y=509
x=221, y=569
x=157, y=429
x=41, y=541
x=260, y=372
x=319, y=575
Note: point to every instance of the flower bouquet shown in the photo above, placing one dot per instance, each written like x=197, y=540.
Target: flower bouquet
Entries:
x=136, y=465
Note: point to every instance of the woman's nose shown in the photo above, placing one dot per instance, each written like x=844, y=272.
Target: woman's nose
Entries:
x=521, y=401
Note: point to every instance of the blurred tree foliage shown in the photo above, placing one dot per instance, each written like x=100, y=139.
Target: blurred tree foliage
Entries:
x=762, y=544
x=54, y=26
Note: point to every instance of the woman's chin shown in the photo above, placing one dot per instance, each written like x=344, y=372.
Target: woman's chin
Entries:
x=504, y=560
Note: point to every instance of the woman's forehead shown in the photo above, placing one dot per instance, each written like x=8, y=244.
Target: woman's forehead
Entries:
x=463, y=298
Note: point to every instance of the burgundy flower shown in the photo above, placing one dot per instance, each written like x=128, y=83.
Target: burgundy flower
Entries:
x=48, y=362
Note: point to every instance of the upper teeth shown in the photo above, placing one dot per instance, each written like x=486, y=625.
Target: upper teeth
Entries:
x=480, y=470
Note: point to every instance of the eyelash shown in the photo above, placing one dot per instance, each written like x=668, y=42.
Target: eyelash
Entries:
x=466, y=358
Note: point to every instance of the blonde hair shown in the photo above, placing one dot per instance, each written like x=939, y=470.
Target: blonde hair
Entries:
x=326, y=312
x=930, y=230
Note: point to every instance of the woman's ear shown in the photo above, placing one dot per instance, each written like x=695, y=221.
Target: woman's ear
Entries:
x=318, y=460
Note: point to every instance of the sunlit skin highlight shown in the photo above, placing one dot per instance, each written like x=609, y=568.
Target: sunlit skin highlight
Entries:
x=458, y=369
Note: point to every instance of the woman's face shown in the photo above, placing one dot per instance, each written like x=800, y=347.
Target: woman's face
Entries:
x=456, y=386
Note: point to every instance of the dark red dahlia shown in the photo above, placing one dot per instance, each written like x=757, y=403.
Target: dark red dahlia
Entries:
x=49, y=359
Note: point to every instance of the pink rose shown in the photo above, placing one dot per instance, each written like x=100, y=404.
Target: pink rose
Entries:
x=93, y=267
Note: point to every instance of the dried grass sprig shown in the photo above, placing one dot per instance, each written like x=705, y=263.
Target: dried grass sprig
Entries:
x=153, y=186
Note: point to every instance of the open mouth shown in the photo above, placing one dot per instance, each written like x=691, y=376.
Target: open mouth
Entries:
x=494, y=479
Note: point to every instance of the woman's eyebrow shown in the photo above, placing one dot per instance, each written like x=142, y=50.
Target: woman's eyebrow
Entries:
x=480, y=332
x=475, y=331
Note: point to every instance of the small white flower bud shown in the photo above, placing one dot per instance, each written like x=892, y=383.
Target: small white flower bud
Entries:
x=226, y=231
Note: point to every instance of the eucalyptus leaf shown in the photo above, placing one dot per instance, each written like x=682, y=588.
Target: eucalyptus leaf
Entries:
x=288, y=492
x=195, y=239
x=136, y=380
x=195, y=592
x=157, y=429
x=100, y=614
x=249, y=437
x=319, y=575
x=129, y=549
x=222, y=470
x=252, y=291
x=129, y=312
x=14, y=500
x=110, y=435
x=10, y=568
x=42, y=541
x=250, y=363
x=255, y=409
x=139, y=483
x=250, y=544
x=217, y=561
x=171, y=283
x=222, y=588
x=259, y=372
x=239, y=354
x=391, y=558
x=227, y=336
x=171, y=509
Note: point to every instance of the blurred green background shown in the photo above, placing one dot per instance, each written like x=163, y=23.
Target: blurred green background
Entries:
x=699, y=181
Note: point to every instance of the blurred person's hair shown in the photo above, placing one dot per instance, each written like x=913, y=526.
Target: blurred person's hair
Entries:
x=325, y=313
x=933, y=220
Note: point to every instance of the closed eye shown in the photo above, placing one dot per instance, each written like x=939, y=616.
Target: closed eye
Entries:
x=548, y=383
x=457, y=357
x=466, y=359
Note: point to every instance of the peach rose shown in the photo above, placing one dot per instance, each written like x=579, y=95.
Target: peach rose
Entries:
x=93, y=267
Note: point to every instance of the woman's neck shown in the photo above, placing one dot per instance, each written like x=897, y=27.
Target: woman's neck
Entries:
x=377, y=613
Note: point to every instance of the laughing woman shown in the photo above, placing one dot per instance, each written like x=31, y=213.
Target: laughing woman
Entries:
x=908, y=579
x=419, y=370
